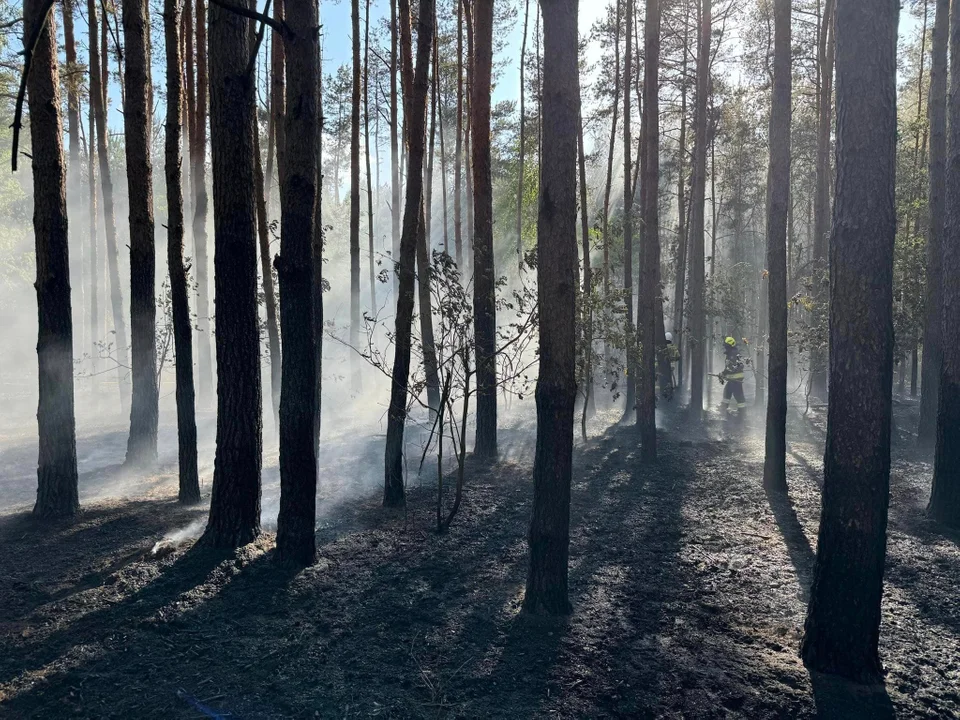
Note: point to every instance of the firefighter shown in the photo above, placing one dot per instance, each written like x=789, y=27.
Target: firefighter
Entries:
x=732, y=379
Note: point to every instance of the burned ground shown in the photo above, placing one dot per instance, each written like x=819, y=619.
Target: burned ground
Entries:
x=689, y=587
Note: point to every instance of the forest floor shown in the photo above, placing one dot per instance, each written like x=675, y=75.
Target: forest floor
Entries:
x=689, y=587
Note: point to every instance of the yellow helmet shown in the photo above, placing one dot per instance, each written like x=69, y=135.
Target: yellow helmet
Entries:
x=730, y=341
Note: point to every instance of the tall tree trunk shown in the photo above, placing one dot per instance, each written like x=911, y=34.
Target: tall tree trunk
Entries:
x=393, y=491
x=609, y=185
x=394, y=147
x=698, y=321
x=98, y=95
x=937, y=113
x=355, y=199
x=843, y=621
x=778, y=200
x=137, y=127
x=649, y=308
x=443, y=155
x=278, y=94
x=366, y=146
x=821, y=206
x=521, y=150
x=458, y=150
x=587, y=292
x=295, y=266
x=318, y=239
x=484, y=274
x=73, y=83
x=628, y=217
x=57, y=494
x=205, y=378
x=945, y=497
x=235, y=501
x=549, y=537
x=680, y=273
x=182, y=327
x=95, y=326
x=269, y=294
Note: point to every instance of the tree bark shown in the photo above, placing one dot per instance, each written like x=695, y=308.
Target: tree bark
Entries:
x=821, y=206
x=96, y=327
x=98, y=94
x=628, y=217
x=57, y=494
x=235, y=501
x=680, y=274
x=205, y=378
x=366, y=146
x=778, y=199
x=458, y=149
x=698, y=321
x=932, y=346
x=355, y=198
x=843, y=621
x=649, y=308
x=609, y=186
x=521, y=150
x=587, y=292
x=394, y=145
x=393, y=490
x=295, y=266
x=269, y=293
x=945, y=496
x=278, y=94
x=549, y=536
x=182, y=327
x=484, y=274
x=137, y=127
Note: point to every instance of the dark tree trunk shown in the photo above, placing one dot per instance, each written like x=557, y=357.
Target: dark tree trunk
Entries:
x=649, y=308
x=843, y=621
x=318, y=239
x=443, y=154
x=698, y=336
x=96, y=327
x=137, y=127
x=182, y=327
x=57, y=464
x=393, y=491
x=609, y=187
x=945, y=496
x=523, y=135
x=269, y=294
x=467, y=135
x=458, y=149
x=98, y=93
x=206, y=385
x=937, y=114
x=295, y=266
x=235, y=501
x=628, y=195
x=821, y=208
x=484, y=273
x=549, y=537
x=355, y=199
x=278, y=94
x=73, y=83
x=680, y=273
x=394, y=144
x=778, y=199
x=587, y=314
x=366, y=147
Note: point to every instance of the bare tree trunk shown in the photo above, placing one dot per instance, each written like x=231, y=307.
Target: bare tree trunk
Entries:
x=206, y=385
x=821, y=208
x=72, y=83
x=631, y=378
x=587, y=314
x=698, y=321
x=680, y=274
x=269, y=294
x=609, y=186
x=945, y=496
x=843, y=621
x=235, y=500
x=366, y=145
x=932, y=347
x=137, y=125
x=468, y=257
x=549, y=536
x=98, y=94
x=443, y=155
x=355, y=199
x=394, y=146
x=57, y=494
x=96, y=327
x=458, y=151
x=523, y=126
x=296, y=266
x=182, y=327
x=649, y=308
x=778, y=200
x=484, y=274
x=278, y=94
x=393, y=491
